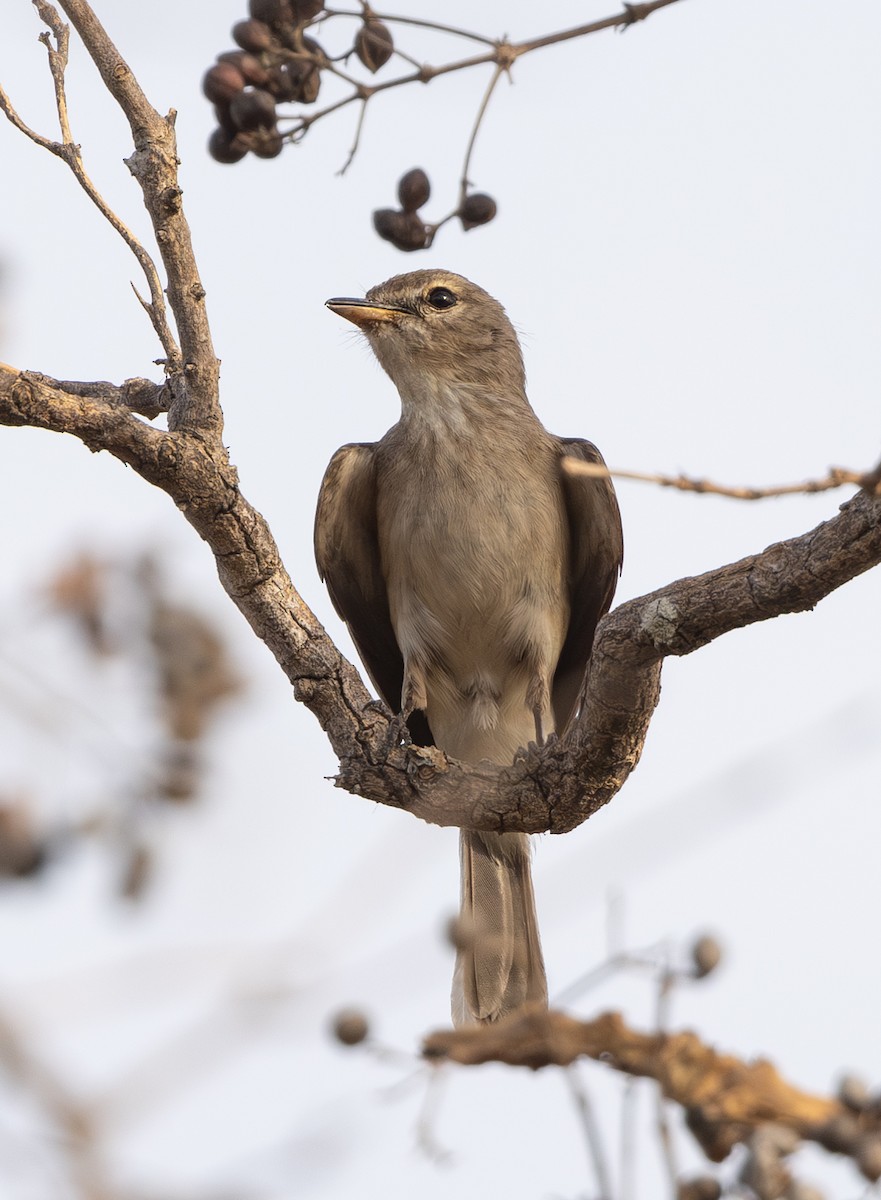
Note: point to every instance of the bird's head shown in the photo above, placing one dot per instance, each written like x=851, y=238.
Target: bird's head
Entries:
x=433, y=330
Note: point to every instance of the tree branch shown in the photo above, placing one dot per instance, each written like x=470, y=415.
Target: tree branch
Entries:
x=554, y=788
x=725, y=1099
x=154, y=166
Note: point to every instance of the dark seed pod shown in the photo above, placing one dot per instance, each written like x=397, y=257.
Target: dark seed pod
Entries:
x=402, y=229
x=413, y=189
x=296, y=80
x=310, y=87
x=305, y=10
x=706, y=954
x=224, y=148
x=222, y=82
x=266, y=143
x=350, y=1027
x=477, y=209
x=271, y=12
x=253, y=36
x=224, y=120
x=374, y=45
x=254, y=109
x=250, y=66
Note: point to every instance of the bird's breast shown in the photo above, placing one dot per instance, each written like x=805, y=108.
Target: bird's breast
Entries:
x=474, y=547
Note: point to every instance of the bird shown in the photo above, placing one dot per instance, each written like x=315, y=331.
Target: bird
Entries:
x=471, y=571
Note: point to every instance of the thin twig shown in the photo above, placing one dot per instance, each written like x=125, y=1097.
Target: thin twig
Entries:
x=502, y=53
x=69, y=152
x=153, y=165
x=425, y=1136
x=868, y=481
x=592, y=1137
x=665, y=1138
x=501, y=68
x=356, y=142
x=433, y=25
x=628, y=1139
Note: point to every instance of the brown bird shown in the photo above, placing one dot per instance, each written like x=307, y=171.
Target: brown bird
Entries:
x=471, y=572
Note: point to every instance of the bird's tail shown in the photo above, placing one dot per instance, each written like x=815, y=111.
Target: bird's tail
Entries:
x=499, y=964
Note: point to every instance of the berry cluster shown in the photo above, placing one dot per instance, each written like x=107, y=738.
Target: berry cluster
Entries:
x=406, y=229
x=276, y=63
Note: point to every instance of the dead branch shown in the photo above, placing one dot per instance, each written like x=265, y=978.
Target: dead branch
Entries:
x=725, y=1098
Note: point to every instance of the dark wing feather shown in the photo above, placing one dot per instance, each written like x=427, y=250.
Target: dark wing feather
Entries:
x=595, y=556
x=347, y=554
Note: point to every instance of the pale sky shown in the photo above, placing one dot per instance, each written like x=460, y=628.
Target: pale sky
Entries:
x=688, y=244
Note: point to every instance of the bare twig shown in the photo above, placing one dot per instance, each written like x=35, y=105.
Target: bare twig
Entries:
x=868, y=481
x=69, y=152
x=628, y=1139
x=592, y=1136
x=425, y=1125
x=390, y=18
x=195, y=405
x=356, y=141
x=502, y=54
x=501, y=69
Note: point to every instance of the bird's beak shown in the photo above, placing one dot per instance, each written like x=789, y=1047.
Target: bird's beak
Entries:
x=362, y=312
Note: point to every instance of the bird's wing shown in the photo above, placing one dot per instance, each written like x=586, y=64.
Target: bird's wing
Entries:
x=595, y=557
x=347, y=554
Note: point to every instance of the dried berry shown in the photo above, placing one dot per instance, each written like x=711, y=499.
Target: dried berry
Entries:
x=374, y=45
x=253, y=36
x=413, y=189
x=350, y=1027
x=226, y=148
x=254, y=109
x=310, y=86
x=305, y=10
x=706, y=954
x=477, y=209
x=266, y=143
x=402, y=229
x=222, y=82
x=271, y=12
x=252, y=68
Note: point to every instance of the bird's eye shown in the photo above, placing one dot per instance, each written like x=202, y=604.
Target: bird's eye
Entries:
x=442, y=298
